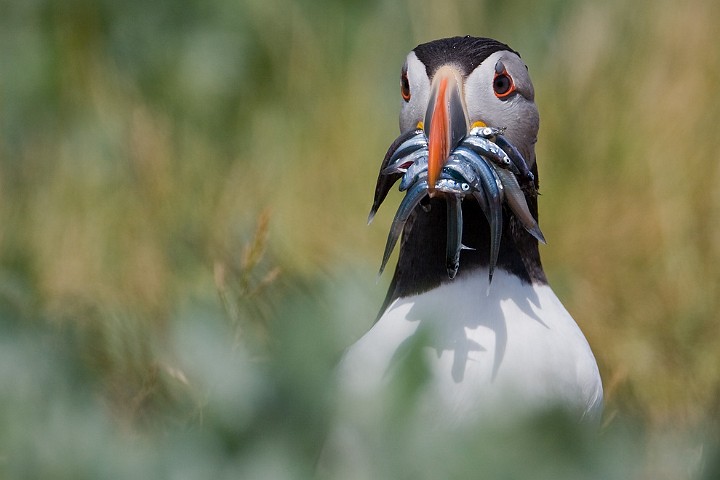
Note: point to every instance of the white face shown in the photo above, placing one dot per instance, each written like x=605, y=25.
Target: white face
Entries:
x=413, y=109
x=498, y=92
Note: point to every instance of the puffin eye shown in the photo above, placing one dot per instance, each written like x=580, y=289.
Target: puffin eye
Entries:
x=405, y=86
x=503, y=84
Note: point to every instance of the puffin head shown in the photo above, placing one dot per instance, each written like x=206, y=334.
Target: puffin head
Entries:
x=469, y=125
x=453, y=84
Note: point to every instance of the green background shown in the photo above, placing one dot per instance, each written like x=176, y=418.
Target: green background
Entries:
x=184, y=188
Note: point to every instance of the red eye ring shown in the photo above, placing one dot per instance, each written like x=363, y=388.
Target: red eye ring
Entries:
x=503, y=84
x=405, y=86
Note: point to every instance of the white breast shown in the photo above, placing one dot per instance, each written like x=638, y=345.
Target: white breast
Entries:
x=514, y=348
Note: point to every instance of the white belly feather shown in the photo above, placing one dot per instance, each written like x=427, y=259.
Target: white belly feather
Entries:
x=513, y=349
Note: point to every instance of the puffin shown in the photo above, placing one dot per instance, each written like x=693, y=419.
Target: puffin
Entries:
x=469, y=306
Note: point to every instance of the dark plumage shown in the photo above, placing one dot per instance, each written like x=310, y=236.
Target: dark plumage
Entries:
x=465, y=52
x=421, y=264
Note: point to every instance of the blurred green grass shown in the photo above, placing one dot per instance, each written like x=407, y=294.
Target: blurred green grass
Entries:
x=141, y=142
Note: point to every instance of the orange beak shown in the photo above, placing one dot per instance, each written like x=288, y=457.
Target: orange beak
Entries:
x=446, y=121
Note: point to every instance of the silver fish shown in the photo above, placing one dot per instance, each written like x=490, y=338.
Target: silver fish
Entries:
x=487, y=132
x=516, y=200
x=491, y=151
x=403, y=163
x=415, y=171
x=517, y=159
x=454, y=234
x=493, y=189
x=385, y=182
x=416, y=193
x=414, y=143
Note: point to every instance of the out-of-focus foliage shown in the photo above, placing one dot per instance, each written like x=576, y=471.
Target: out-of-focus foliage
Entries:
x=183, y=249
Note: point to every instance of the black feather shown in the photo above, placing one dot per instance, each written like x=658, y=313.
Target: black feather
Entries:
x=465, y=52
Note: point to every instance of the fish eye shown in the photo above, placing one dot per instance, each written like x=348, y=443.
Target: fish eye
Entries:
x=503, y=84
x=405, y=85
